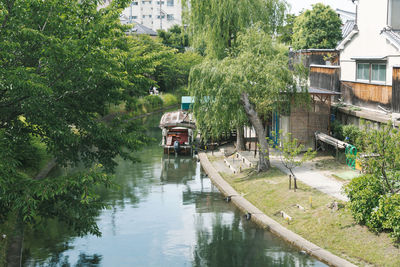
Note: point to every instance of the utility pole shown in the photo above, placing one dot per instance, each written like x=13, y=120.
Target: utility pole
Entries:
x=130, y=14
x=160, y=16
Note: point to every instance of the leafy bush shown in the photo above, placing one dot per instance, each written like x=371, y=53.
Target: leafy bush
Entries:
x=133, y=104
x=169, y=99
x=152, y=102
x=370, y=205
x=352, y=133
x=364, y=193
x=349, y=133
x=389, y=213
x=337, y=129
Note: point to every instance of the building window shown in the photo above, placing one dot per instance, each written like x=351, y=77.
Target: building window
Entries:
x=149, y=16
x=135, y=3
x=170, y=17
x=371, y=72
x=163, y=16
x=158, y=2
x=170, y=2
x=378, y=72
x=144, y=16
x=363, y=71
x=134, y=17
x=394, y=11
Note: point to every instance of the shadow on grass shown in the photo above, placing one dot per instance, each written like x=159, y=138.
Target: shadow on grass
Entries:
x=252, y=174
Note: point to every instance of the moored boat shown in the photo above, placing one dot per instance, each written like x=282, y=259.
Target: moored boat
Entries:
x=177, y=132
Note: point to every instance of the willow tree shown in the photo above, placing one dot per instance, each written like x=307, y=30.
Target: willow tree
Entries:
x=213, y=28
x=215, y=24
x=253, y=80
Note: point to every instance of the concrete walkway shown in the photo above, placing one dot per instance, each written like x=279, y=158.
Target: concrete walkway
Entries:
x=307, y=173
x=314, y=178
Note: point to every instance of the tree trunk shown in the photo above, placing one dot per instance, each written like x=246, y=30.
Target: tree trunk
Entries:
x=263, y=161
x=240, y=139
x=14, y=250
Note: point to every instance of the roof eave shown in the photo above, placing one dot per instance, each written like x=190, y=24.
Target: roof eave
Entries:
x=391, y=40
x=348, y=38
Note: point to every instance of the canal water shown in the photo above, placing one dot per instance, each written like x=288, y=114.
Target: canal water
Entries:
x=165, y=212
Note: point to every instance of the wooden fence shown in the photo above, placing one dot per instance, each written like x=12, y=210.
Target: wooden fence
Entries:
x=325, y=77
x=396, y=89
x=363, y=94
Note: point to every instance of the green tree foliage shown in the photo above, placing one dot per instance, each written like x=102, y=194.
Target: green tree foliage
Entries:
x=215, y=24
x=317, y=28
x=154, y=64
x=175, y=37
x=62, y=62
x=173, y=72
x=146, y=59
x=290, y=150
x=285, y=32
x=246, y=86
x=374, y=197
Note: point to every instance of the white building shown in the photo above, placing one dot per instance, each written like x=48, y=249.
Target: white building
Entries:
x=154, y=14
x=368, y=63
x=371, y=50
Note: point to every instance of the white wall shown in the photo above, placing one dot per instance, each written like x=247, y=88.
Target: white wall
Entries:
x=372, y=18
x=147, y=7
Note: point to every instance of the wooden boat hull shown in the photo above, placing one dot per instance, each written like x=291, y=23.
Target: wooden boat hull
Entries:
x=183, y=150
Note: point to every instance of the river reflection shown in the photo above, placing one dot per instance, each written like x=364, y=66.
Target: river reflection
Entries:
x=165, y=212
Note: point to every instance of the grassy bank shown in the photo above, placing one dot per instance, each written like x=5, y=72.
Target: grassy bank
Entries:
x=149, y=103
x=335, y=231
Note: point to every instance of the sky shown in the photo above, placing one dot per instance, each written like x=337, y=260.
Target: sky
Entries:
x=298, y=5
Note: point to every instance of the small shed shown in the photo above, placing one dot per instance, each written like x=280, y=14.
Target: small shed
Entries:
x=302, y=121
x=186, y=102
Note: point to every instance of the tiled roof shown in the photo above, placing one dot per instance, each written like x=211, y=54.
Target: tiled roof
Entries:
x=392, y=36
x=141, y=29
x=137, y=28
x=347, y=28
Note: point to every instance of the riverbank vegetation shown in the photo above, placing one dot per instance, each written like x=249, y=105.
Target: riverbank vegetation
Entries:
x=62, y=66
x=375, y=196
x=163, y=67
x=332, y=229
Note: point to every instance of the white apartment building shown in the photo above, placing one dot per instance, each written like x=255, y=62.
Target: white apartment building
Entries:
x=154, y=14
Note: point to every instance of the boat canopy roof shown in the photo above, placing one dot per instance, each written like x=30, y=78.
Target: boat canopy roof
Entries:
x=179, y=118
